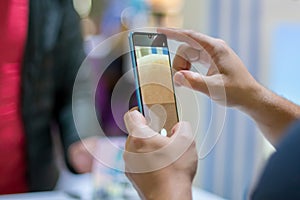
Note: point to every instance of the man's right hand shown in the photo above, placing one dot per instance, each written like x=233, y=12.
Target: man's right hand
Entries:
x=229, y=82
x=226, y=70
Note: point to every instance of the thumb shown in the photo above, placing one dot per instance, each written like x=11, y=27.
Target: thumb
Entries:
x=192, y=80
x=136, y=125
x=182, y=138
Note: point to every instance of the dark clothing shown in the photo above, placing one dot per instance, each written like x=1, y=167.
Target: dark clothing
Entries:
x=281, y=177
x=53, y=55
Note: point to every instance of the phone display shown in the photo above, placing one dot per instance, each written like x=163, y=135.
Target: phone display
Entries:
x=153, y=76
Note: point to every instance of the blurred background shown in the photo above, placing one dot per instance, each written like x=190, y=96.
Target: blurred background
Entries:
x=264, y=33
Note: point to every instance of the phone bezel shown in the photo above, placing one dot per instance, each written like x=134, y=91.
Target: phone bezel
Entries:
x=135, y=67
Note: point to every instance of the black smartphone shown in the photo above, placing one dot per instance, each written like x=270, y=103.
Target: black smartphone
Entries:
x=154, y=80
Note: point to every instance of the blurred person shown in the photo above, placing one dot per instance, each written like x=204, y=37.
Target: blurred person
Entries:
x=273, y=114
x=40, y=53
x=111, y=23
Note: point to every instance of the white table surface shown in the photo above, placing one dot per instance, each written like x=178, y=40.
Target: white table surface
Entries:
x=71, y=187
x=60, y=195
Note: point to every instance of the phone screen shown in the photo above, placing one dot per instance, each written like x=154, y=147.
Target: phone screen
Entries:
x=154, y=74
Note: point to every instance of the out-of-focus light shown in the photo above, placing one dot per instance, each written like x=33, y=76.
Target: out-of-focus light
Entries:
x=82, y=7
x=131, y=18
x=165, y=6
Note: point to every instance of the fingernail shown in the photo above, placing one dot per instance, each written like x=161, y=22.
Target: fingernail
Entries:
x=179, y=78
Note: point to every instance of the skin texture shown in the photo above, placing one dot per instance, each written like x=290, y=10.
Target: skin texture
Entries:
x=178, y=173
x=79, y=154
x=272, y=113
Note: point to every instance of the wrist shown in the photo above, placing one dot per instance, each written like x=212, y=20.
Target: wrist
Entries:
x=272, y=113
x=177, y=187
x=253, y=96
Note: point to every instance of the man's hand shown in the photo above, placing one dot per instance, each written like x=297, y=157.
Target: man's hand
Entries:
x=272, y=113
x=226, y=70
x=159, y=167
x=79, y=154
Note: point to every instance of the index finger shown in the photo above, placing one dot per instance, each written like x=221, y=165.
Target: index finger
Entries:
x=194, y=39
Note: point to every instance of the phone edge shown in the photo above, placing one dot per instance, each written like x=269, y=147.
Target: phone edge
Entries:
x=137, y=86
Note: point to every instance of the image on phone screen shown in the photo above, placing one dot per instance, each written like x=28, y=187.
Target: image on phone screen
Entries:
x=154, y=74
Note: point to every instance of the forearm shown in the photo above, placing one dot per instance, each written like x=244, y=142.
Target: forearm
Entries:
x=272, y=113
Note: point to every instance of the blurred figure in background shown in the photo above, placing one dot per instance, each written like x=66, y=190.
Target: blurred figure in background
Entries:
x=110, y=18
x=108, y=21
x=40, y=53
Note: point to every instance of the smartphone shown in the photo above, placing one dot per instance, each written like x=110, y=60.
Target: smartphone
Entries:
x=154, y=80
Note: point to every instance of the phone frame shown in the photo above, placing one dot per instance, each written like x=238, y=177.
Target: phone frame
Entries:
x=135, y=68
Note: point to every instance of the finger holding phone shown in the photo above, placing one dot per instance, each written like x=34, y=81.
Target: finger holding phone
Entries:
x=226, y=70
x=171, y=181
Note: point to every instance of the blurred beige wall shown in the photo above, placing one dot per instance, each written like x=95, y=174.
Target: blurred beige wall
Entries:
x=195, y=14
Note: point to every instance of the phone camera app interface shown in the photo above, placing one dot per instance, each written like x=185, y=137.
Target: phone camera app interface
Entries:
x=156, y=87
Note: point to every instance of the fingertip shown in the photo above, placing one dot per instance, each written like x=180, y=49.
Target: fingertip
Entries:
x=134, y=108
x=179, y=78
x=133, y=119
x=133, y=115
x=195, y=81
x=187, y=78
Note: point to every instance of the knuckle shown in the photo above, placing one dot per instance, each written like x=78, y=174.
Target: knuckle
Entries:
x=181, y=51
x=220, y=47
x=133, y=144
x=184, y=138
x=137, y=144
x=189, y=31
x=193, y=144
x=194, y=81
x=182, y=47
x=125, y=156
x=220, y=41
